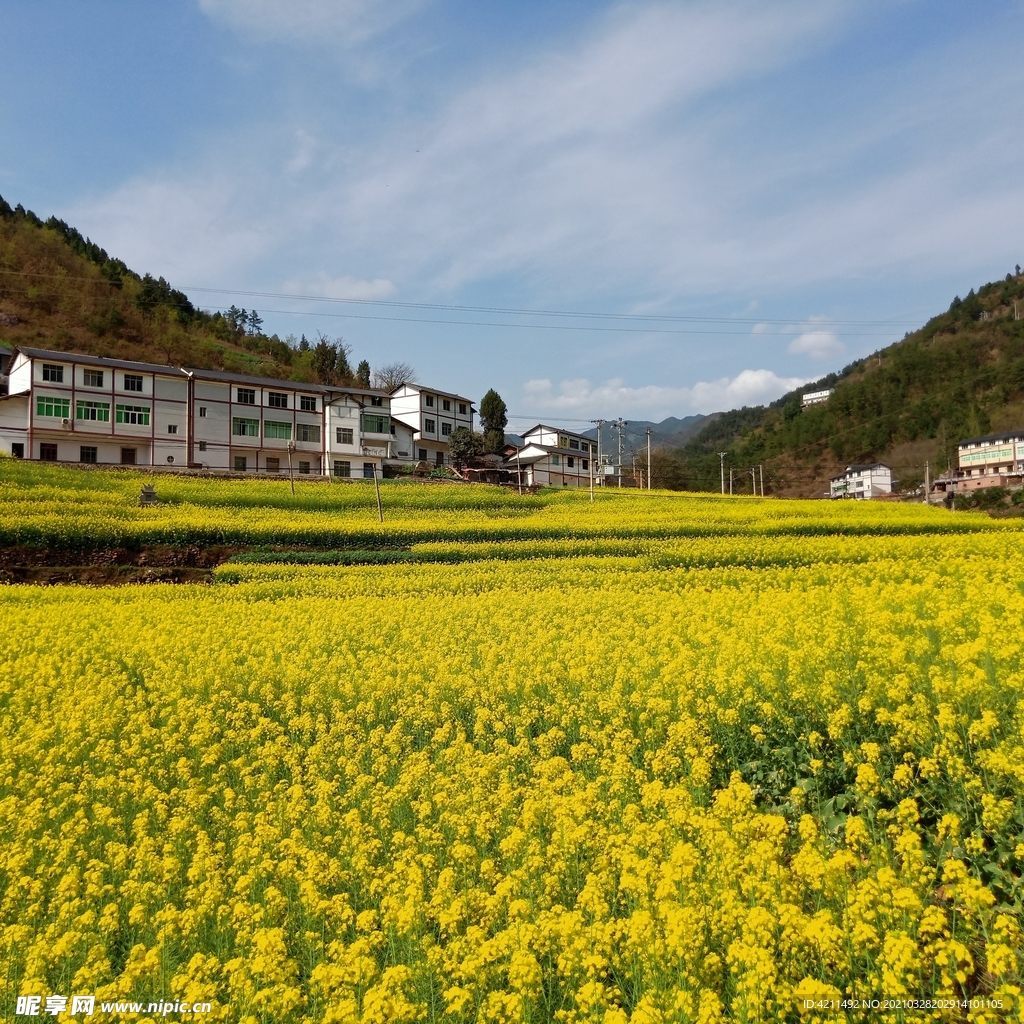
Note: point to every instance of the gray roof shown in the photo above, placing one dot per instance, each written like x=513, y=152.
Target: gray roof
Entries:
x=433, y=391
x=989, y=438
x=120, y=364
x=557, y=430
x=178, y=371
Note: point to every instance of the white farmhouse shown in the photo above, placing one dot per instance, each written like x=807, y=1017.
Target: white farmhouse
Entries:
x=863, y=482
x=817, y=397
x=431, y=415
x=553, y=457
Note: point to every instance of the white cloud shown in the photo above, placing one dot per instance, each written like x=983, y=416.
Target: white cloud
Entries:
x=310, y=21
x=654, y=401
x=343, y=287
x=819, y=344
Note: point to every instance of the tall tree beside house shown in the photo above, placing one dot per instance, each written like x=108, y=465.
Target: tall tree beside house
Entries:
x=463, y=444
x=363, y=373
x=493, y=420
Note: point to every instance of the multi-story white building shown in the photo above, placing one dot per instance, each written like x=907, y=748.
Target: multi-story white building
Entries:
x=863, y=482
x=431, y=415
x=63, y=407
x=553, y=457
x=817, y=397
x=993, y=460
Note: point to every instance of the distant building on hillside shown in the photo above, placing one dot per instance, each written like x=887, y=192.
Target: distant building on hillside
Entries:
x=817, y=397
x=553, y=457
x=863, y=482
x=994, y=460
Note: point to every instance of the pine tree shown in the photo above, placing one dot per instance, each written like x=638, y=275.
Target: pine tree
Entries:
x=363, y=374
x=493, y=420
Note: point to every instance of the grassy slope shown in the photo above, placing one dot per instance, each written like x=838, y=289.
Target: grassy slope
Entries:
x=68, y=294
x=959, y=375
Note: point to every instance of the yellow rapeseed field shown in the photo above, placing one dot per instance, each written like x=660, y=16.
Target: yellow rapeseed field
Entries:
x=655, y=759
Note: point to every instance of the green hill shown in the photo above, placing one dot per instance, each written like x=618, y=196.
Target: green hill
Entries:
x=960, y=375
x=60, y=290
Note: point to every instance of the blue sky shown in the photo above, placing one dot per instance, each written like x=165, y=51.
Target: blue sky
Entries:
x=787, y=185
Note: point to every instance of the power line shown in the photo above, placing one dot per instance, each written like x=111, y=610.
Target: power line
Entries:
x=505, y=310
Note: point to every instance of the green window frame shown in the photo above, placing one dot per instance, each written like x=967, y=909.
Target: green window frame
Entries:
x=275, y=428
x=137, y=415
x=99, y=412
x=242, y=427
x=47, y=405
x=375, y=423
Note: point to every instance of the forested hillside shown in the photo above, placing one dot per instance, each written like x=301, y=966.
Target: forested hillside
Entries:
x=60, y=290
x=962, y=374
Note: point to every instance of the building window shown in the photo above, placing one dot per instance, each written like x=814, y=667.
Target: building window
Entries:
x=48, y=452
x=88, y=453
x=430, y=401
x=127, y=456
x=246, y=396
x=446, y=404
x=574, y=444
x=18, y=450
x=308, y=431
x=277, y=399
x=132, y=382
x=375, y=423
x=245, y=428
x=446, y=429
x=377, y=400
x=304, y=468
x=137, y=414
x=202, y=446
x=342, y=468
x=202, y=412
x=571, y=461
x=344, y=435
x=273, y=465
x=585, y=463
x=54, y=374
x=428, y=426
x=172, y=428
x=92, y=379
x=554, y=460
x=422, y=454
x=563, y=441
x=241, y=463
x=462, y=408
x=99, y=412
x=307, y=403
x=275, y=428
x=47, y=406
x=368, y=470
x=439, y=458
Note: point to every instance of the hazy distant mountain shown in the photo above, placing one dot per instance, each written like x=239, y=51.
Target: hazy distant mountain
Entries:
x=672, y=432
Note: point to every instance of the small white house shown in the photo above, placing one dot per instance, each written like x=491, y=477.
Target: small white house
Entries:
x=553, y=457
x=817, y=397
x=863, y=482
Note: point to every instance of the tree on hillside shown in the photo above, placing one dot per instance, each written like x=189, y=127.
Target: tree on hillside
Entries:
x=394, y=375
x=363, y=373
x=493, y=420
x=330, y=360
x=255, y=324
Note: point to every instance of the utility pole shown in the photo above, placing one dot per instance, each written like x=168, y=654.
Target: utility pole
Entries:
x=620, y=425
x=519, y=470
x=753, y=477
x=376, y=485
x=291, y=475
x=721, y=466
x=927, y=482
x=761, y=468
x=600, y=424
x=730, y=480
x=590, y=461
x=648, y=458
